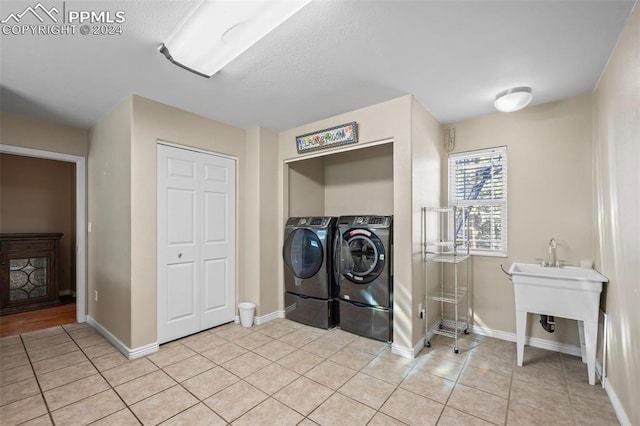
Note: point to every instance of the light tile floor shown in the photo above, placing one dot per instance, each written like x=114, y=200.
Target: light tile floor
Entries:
x=284, y=373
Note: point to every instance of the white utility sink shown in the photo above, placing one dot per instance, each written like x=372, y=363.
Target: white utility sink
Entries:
x=567, y=292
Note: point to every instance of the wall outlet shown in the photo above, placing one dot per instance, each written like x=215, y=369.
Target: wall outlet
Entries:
x=96, y=295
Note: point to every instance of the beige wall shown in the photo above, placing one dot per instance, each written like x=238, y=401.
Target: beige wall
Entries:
x=153, y=121
x=427, y=155
x=250, y=292
x=390, y=120
x=549, y=153
x=26, y=132
x=616, y=116
x=270, y=297
x=109, y=212
x=359, y=182
x=38, y=195
x=261, y=279
x=305, y=185
x=348, y=183
x=123, y=211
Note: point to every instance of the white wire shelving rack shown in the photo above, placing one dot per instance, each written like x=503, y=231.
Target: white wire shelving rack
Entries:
x=445, y=241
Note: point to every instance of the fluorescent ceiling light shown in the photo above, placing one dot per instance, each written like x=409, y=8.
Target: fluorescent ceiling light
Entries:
x=514, y=99
x=218, y=31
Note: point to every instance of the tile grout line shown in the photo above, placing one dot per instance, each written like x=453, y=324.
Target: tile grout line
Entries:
x=334, y=391
x=513, y=367
x=564, y=375
x=337, y=391
x=104, y=378
x=240, y=379
x=187, y=390
x=177, y=383
x=396, y=387
x=196, y=353
x=324, y=358
x=391, y=393
x=455, y=383
x=35, y=376
x=216, y=365
x=304, y=417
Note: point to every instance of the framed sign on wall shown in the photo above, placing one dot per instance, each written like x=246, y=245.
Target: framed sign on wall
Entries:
x=328, y=138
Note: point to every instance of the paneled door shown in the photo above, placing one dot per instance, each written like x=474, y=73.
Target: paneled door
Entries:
x=196, y=241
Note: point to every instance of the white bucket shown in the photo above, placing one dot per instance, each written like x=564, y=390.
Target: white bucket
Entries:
x=247, y=310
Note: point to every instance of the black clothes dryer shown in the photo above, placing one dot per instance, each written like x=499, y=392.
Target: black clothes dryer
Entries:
x=363, y=269
x=308, y=279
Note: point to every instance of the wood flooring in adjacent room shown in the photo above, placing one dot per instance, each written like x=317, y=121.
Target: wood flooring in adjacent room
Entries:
x=25, y=322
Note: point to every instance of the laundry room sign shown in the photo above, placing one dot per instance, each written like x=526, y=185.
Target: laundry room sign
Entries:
x=328, y=138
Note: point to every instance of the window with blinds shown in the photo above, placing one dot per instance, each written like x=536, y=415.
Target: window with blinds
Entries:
x=478, y=181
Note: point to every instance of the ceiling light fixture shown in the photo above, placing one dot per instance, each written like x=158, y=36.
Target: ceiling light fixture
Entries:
x=514, y=99
x=218, y=31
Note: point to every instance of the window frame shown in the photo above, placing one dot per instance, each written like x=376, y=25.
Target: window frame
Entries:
x=453, y=201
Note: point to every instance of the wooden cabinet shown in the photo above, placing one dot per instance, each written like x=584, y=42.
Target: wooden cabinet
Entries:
x=28, y=265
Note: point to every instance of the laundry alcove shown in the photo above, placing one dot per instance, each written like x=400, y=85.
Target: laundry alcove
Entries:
x=352, y=185
x=355, y=182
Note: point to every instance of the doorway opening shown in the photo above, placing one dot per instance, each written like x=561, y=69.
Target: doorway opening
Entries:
x=28, y=321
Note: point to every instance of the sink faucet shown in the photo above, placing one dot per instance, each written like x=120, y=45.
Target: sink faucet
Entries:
x=552, y=253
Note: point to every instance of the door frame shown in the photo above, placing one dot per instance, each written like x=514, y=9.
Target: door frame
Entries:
x=81, y=209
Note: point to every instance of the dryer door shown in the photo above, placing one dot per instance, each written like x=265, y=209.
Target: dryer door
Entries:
x=362, y=256
x=303, y=256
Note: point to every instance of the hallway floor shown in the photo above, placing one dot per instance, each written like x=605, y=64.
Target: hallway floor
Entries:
x=25, y=322
x=284, y=373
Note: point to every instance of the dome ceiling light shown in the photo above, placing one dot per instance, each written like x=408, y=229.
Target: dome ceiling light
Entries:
x=513, y=99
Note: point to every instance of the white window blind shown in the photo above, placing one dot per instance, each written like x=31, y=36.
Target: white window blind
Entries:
x=478, y=181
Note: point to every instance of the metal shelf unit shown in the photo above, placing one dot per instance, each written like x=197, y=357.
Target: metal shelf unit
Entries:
x=439, y=248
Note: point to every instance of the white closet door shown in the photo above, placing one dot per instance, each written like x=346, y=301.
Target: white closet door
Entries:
x=217, y=250
x=196, y=242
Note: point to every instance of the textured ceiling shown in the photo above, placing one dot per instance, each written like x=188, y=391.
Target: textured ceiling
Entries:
x=331, y=57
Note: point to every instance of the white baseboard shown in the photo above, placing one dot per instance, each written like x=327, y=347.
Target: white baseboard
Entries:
x=143, y=350
x=126, y=351
x=530, y=341
x=557, y=347
x=407, y=352
x=511, y=337
x=269, y=317
x=617, y=405
x=413, y=352
x=263, y=319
